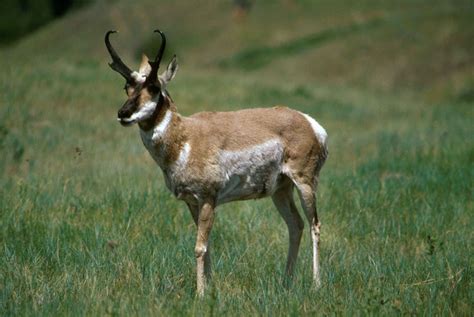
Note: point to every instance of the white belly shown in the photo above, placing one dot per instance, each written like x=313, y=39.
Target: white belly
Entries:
x=250, y=173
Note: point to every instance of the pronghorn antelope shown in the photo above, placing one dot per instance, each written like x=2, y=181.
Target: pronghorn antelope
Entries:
x=211, y=158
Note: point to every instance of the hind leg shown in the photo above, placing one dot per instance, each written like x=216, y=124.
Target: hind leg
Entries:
x=283, y=200
x=308, y=201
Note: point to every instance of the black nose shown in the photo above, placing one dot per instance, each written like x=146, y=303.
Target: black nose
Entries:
x=123, y=113
x=127, y=109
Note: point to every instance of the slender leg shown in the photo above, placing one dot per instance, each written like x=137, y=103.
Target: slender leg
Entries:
x=194, y=209
x=283, y=200
x=204, y=223
x=308, y=201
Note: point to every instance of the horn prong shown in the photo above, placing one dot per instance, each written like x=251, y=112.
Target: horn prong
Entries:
x=153, y=76
x=117, y=64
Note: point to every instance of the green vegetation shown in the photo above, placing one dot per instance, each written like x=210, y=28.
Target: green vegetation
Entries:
x=18, y=17
x=87, y=227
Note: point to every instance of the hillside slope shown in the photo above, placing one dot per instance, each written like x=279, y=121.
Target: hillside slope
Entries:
x=412, y=45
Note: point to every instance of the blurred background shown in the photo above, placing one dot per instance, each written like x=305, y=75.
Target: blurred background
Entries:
x=87, y=226
x=423, y=47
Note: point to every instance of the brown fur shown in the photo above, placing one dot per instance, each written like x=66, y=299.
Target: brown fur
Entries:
x=208, y=132
x=291, y=155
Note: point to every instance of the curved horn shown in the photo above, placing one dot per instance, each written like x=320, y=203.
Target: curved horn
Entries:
x=153, y=76
x=117, y=63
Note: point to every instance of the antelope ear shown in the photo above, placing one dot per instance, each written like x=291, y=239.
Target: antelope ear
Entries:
x=145, y=67
x=170, y=72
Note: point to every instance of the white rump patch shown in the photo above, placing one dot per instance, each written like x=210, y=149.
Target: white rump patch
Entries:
x=319, y=131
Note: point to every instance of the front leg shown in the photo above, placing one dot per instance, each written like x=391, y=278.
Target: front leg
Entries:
x=194, y=209
x=204, y=224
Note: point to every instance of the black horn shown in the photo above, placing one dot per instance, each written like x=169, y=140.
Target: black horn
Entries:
x=153, y=76
x=117, y=63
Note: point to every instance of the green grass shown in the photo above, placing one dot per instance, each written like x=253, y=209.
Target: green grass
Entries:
x=88, y=228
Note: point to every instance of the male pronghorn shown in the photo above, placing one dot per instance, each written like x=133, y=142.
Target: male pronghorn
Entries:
x=211, y=158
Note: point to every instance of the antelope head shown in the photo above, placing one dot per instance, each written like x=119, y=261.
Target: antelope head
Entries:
x=146, y=91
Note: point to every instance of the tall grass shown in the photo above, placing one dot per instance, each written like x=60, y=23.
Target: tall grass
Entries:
x=88, y=228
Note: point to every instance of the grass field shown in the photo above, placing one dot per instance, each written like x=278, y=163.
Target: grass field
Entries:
x=88, y=228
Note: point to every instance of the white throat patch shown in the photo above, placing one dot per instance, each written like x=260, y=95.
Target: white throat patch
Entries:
x=155, y=136
x=144, y=113
x=183, y=157
x=160, y=130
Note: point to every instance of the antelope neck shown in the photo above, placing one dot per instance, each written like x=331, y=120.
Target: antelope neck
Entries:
x=156, y=117
x=163, y=135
